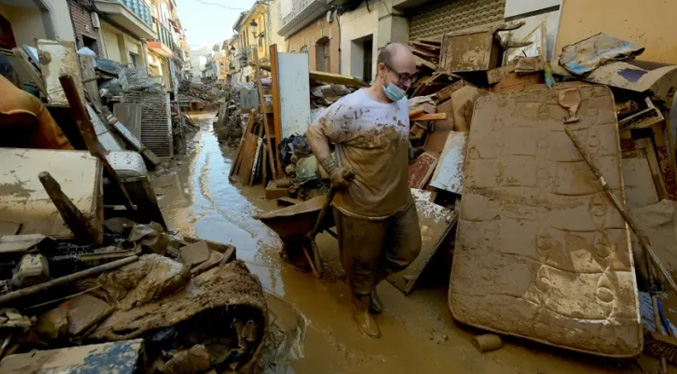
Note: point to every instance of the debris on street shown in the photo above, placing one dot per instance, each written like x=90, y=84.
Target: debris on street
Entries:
x=542, y=169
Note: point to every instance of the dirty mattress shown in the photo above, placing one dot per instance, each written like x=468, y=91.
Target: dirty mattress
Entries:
x=541, y=252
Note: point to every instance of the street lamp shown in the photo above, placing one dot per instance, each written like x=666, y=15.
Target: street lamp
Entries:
x=253, y=26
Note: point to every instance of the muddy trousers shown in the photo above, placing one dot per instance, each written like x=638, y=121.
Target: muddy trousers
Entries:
x=372, y=250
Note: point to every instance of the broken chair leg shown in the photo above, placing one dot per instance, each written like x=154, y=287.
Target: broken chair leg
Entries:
x=75, y=220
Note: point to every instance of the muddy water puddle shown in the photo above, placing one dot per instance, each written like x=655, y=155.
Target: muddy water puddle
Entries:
x=419, y=335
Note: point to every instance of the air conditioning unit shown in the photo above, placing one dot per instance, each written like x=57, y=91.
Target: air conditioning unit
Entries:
x=96, y=22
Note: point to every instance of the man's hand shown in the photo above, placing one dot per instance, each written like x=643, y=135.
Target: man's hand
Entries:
x=340, y=177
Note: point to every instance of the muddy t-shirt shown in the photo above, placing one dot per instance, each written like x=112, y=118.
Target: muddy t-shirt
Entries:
x=372, y=139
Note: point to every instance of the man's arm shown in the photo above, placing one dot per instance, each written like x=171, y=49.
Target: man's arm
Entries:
x=319, y=134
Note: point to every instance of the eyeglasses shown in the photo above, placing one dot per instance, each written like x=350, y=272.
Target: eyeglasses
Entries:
x=402, y=77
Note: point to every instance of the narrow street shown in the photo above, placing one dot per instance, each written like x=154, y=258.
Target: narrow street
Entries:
x=198, y=199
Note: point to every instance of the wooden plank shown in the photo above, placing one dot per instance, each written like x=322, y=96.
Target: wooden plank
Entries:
x=91, y=87
x=130, y=116
x=277, y=117
x=430, y=41
x=424, y=54
x=430, y=47
x=235, y=166
x=322, y=77
x=423, y=62
x=429, y=117
x=438, y=137
x=664, y=160
x=448, y=175
x=421, y=170
x=640, y=189
x=655, y=168
x=329, y=78
x=262, y=105
x=435, y=223
x=27, y=202
x=249, y=147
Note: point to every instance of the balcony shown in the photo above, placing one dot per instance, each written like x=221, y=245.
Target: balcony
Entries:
x=164, y=45
x=131, y=15
x=297, y=14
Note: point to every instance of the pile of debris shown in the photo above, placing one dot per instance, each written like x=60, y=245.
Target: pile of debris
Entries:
x=89, y=273
x=198, y=97
x=518, y=146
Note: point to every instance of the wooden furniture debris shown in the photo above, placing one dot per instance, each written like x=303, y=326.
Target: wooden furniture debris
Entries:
x=274, y=192
x=467, y=51
x=277, y=116
x=448, y=174
x=27, y=203
x=329, y=78
x=132, y=141
x=435, y=223
x=642, y=119
x=428, y=117
x=422, y=169
x=88, y=134
x=75, y=220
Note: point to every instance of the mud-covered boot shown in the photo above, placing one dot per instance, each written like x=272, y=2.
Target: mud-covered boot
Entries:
x=366, y=324
x=375, y=304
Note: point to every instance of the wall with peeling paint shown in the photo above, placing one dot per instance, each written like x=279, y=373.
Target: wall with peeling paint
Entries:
x=650, y=23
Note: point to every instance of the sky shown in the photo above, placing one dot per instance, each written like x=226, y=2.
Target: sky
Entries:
x=209, y=22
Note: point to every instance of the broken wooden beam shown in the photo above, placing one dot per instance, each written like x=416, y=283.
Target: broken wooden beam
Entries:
x=428, y=117
x=72, y=216
x=89, y=135
x=10, y=296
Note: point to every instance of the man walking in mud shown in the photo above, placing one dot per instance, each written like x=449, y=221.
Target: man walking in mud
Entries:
x=375, y=213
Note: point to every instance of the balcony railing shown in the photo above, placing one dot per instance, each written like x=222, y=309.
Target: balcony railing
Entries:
x=299, y=13
x=139, y=8
x=165, y=37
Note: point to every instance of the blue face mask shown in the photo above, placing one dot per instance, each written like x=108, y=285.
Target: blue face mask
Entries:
x=393, y=92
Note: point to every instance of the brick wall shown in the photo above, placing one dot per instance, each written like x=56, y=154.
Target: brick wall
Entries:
x=82, y=25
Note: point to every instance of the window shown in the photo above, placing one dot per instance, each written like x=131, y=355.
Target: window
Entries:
x=89, y=43
x=133, y=59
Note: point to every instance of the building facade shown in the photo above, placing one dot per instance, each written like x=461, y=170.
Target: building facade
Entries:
x=252, y=30
x=26, y=20
x=320, y=40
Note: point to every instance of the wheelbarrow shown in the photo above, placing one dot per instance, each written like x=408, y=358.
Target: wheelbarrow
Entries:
x=299, y=224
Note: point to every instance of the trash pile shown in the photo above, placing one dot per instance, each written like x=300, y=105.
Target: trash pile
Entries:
x=537, y=155
x=199, y=97
x=89, y=272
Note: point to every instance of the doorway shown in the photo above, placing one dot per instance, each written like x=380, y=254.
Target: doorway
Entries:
x=322, y=53
x=361, y=58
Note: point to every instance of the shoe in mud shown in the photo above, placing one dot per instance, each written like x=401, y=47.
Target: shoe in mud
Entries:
x=375, y=304
x=366, y=324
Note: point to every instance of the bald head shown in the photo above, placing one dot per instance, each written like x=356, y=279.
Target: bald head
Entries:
x=396, y=63
x=394, y=52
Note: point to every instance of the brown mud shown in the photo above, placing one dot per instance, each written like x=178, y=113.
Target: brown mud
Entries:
x=419, y=335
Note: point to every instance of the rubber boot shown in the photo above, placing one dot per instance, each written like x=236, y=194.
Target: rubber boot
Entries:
x=366, y=323
x=375, y=304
